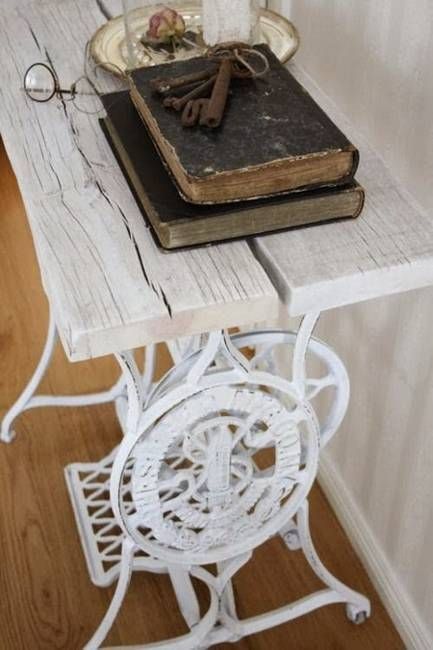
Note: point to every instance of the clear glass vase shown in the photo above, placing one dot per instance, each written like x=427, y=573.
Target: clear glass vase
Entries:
x=231, y=20
x=155, y=34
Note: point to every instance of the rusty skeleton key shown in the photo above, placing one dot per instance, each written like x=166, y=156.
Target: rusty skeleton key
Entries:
x=220, y=93
x=195, y=112
x=205, y=101
x=210, y=112
x=178, y=103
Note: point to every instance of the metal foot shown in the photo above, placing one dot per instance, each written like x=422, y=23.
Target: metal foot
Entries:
x=356, y=615
x=7, y=435
x=291, y=539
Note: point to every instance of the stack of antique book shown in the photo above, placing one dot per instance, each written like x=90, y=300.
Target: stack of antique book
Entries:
x=277, y=161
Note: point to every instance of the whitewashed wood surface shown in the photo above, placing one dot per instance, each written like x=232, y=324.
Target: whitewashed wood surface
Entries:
x=109, y=286
x=388, y=250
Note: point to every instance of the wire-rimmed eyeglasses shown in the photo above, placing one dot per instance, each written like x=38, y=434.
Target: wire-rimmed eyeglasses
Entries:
x=41, y=84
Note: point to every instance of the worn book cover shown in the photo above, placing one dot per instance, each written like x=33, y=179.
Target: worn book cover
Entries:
x=273, y=138
x=178, y=223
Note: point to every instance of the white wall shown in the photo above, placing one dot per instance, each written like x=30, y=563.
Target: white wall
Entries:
x=375, y=58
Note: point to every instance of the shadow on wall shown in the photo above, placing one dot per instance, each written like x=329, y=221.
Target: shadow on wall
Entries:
x=374, y=59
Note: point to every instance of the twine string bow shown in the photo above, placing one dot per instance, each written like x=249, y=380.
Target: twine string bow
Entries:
x=238, y=54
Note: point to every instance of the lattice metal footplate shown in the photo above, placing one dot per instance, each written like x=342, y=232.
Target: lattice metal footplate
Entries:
x=101, y=537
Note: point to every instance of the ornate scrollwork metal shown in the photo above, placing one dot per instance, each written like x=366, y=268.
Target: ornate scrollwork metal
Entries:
x=217, y=457
x=199, y=491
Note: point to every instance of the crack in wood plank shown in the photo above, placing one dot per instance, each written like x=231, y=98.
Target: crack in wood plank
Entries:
x=108, y=284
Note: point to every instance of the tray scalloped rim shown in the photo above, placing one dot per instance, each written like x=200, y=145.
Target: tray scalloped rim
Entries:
x=106, y=44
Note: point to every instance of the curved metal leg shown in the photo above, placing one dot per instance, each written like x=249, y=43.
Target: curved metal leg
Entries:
x=185, y=594
x=303, y=339
x=23, y=402
x=149, y=368
x=28, y=400
x=358, y=606
x=200, y=628
x=126, y=564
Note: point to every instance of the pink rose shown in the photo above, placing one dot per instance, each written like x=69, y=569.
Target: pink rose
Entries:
x=165, y=25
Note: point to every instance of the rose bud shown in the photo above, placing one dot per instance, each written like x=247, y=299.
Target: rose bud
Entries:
x=166, y=25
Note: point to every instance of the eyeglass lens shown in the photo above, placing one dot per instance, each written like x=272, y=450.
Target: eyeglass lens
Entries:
x=40, y=83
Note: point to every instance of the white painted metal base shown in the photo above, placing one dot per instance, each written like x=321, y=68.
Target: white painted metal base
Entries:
x=110, y=555
x=221, y=623
x=120, y=534
x=187, y=486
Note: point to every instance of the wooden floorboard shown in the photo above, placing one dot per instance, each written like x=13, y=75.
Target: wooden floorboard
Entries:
x=47, y=599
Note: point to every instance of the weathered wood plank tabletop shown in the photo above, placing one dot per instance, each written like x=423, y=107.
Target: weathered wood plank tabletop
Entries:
x=388, y=250
x=108, y=284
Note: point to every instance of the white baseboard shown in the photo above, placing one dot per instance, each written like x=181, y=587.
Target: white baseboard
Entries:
x=394, y=596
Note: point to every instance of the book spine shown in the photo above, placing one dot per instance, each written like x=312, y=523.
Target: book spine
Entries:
x=355, y=164
x=361, y=194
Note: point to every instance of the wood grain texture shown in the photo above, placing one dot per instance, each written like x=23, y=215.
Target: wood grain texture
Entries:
x=389, y=249
x=47, y=600
x=109, y=286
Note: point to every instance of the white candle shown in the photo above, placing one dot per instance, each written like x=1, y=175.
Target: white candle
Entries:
x=226, y=20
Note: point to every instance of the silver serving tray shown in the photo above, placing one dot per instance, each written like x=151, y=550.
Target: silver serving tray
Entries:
x=108, y=45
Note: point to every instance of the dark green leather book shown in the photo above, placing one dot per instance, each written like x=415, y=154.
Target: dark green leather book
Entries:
x=178, y=223
x=273, y=138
